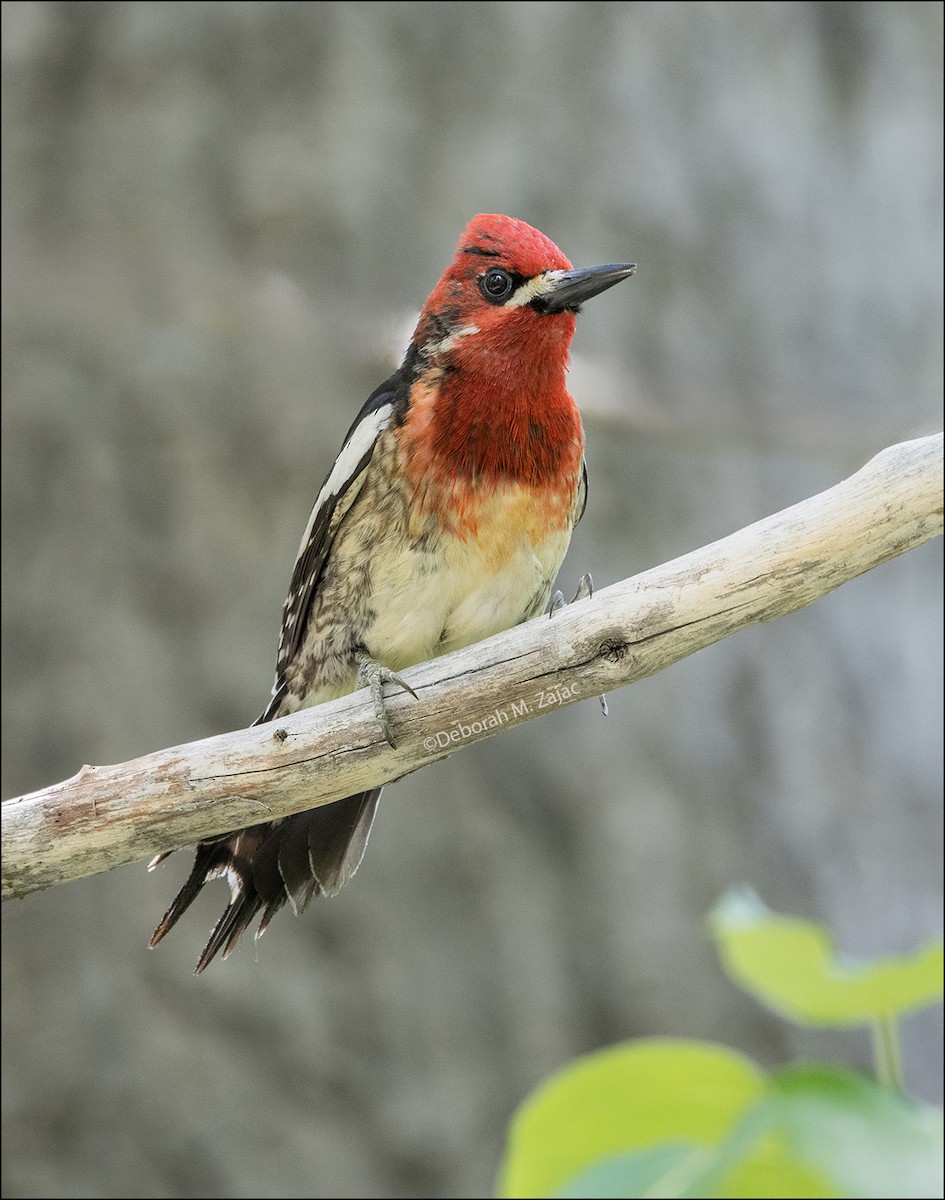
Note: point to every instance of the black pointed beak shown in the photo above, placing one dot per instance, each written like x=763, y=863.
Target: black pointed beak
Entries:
x=572, y=288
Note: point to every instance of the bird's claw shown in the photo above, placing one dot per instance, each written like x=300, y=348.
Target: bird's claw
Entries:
x=373, y=675
x=585, y=590
x=585, y=587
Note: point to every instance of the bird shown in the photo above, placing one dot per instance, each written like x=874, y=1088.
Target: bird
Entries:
x=444, y=520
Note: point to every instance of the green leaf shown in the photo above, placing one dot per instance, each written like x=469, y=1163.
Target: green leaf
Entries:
x=791, y=966
x=871, y=1141
x=638, y=1173
x=631, y=1097
x=772, y=1170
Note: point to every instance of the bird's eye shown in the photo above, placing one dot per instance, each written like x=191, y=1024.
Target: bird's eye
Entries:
x=496, y=285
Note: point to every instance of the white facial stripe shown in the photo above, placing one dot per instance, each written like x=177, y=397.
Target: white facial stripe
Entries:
x=362, y=439
x=450, y=340
x=532, y=289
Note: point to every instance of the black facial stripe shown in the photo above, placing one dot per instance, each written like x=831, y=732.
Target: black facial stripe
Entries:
x=442, y=324
x=540, y=304
x=482, y=251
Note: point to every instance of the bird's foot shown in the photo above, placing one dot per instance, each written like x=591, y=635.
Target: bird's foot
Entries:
x=585, y=590
x=373, y=675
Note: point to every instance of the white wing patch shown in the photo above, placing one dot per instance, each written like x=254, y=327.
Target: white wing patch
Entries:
x=358, y=444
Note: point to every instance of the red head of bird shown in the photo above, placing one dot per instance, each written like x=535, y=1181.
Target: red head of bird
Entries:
x=493, y=340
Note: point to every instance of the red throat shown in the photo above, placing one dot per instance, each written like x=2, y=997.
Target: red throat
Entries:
x=498, y=408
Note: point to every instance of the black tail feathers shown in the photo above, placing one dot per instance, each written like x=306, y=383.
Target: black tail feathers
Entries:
x=309, y=854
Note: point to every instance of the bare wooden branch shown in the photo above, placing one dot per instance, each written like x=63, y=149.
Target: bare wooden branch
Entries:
x=106, y=816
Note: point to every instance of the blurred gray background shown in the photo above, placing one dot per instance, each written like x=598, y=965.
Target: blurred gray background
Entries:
x=219, y=221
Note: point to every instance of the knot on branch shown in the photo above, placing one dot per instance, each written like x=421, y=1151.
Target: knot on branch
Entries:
x=613, y=649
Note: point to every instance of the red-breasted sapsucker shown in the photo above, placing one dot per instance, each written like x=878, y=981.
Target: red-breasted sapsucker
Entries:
x=444, y=520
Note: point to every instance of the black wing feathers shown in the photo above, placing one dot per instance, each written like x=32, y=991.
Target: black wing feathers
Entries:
x=307, y=573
